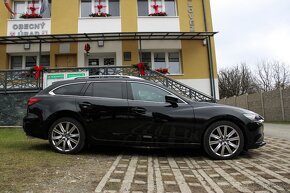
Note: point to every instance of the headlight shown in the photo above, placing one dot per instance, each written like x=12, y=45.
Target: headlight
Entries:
x=254, y=117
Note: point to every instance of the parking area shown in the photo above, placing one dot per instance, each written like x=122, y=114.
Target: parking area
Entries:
x=263, y=170
x=31, y=166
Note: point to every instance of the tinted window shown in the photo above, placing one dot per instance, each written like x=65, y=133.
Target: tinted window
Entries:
x=146, y=92
x=105, y=89
x=72, y=89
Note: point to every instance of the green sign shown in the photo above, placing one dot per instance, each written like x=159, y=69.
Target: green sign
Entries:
x=55, y=76
x=76, y=75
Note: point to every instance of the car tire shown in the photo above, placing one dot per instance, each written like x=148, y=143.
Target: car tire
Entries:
x=66, y=135
x=223, y=140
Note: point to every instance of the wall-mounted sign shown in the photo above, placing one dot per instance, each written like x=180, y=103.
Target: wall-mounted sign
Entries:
x=190, y=15
x=28, y=27
x=50, y=78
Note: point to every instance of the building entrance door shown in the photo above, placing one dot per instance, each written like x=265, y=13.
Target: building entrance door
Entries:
x=66, y=60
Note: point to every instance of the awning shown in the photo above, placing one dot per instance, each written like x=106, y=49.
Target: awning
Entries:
x=89, y=37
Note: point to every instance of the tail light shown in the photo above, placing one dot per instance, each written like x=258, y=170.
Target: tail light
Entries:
x=32, y=101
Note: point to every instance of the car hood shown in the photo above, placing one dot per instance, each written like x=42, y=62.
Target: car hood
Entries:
x=198, y=105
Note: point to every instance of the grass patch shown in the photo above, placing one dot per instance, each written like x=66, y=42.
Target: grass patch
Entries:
x=28, y=163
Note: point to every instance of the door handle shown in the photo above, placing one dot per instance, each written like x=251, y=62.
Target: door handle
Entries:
x=138, y=110
x=85, y=105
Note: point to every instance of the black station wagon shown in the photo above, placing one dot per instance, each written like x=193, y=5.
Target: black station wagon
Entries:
x=125, y=110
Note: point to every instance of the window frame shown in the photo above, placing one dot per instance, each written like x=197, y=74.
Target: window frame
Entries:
x=166, y=59
x=163, y=8
x=23, y=66
x=26, y=5
x=93, y=10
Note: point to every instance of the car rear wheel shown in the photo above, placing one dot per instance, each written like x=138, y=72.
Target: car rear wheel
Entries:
x=223, y=140
x=67, y=135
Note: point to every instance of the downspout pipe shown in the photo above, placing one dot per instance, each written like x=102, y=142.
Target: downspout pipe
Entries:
x=209, y=53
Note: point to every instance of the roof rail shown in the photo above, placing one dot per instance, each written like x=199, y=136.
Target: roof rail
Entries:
x=109, y=76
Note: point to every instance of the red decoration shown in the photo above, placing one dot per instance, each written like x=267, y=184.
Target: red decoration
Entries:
x=38, y=69
x=33, y=9
x=100, y=6
x=141, y=67
x=162, y=70
x=87, y=48
x=155, y=6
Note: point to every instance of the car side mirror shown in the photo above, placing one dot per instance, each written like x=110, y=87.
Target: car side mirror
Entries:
x=172, y=100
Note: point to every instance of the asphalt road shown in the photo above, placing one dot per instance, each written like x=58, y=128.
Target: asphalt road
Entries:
x=277, y=130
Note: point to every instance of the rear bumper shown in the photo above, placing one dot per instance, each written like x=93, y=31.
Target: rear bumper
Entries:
x=32, y=127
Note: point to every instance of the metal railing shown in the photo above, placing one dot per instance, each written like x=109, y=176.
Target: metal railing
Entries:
x=24, y=80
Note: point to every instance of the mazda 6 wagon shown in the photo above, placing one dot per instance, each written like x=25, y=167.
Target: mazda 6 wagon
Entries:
x=131, y=111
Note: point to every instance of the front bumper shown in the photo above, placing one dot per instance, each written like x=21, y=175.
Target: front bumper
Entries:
x=255, y=135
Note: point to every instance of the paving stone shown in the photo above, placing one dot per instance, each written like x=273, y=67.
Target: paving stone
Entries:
x=170, y=182
x=194, y=184
x=189, y=176
x=119, y=172
x=115, y=180
x=122, y=166
x=141, y=166
x=247, y=182
x=223, y=183
x=274, y=180
x=167, y=174
x=141, y=173
x=139, y=182
x=235, y=174
x=110, y=191
x=214, y=175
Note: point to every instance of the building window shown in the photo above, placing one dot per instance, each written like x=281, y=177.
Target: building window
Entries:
x=16, y=62
x=170, y=60
x=21, y=7
x=111, y=7
x=145, y=7
x=27, y=62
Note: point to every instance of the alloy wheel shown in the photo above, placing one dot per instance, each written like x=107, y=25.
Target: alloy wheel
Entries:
x=224, y=141
x=65, y=136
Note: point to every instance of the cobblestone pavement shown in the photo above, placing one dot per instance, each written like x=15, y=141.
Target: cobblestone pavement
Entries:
x=262, y=170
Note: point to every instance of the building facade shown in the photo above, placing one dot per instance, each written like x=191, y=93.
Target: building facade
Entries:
x=188, y=61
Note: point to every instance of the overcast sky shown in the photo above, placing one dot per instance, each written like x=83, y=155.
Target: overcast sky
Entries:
x=251, y=31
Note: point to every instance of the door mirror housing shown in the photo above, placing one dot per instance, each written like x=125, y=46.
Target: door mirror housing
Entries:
x=172, y=100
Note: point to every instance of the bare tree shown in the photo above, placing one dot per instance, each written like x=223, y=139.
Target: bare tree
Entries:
x=236, y=81
x=272, y=74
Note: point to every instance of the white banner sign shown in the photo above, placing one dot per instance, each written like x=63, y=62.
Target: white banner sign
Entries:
x=28, y=27
x=50, y=78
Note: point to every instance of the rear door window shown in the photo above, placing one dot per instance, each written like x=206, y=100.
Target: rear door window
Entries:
x=105, y=90
x=72, y=89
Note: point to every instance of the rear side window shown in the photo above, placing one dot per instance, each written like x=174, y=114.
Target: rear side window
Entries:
x=72, y=89
x=105, y=89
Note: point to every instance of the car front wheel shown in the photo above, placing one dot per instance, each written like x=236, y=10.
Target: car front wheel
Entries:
x=66, y=135
x=223, y=140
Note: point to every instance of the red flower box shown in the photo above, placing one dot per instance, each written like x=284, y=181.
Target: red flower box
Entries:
x=100, y=14
x=158, y=14
x=162, y=70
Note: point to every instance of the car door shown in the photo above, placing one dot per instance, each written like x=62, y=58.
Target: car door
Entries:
x=104, y=107
x=153, y=120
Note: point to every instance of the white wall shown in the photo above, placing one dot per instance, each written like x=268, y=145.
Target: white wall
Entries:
x=158, y=24
x=161, y=44
x=99, y=25
x=109, y=47
x=19, y=48
x=202, y=85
